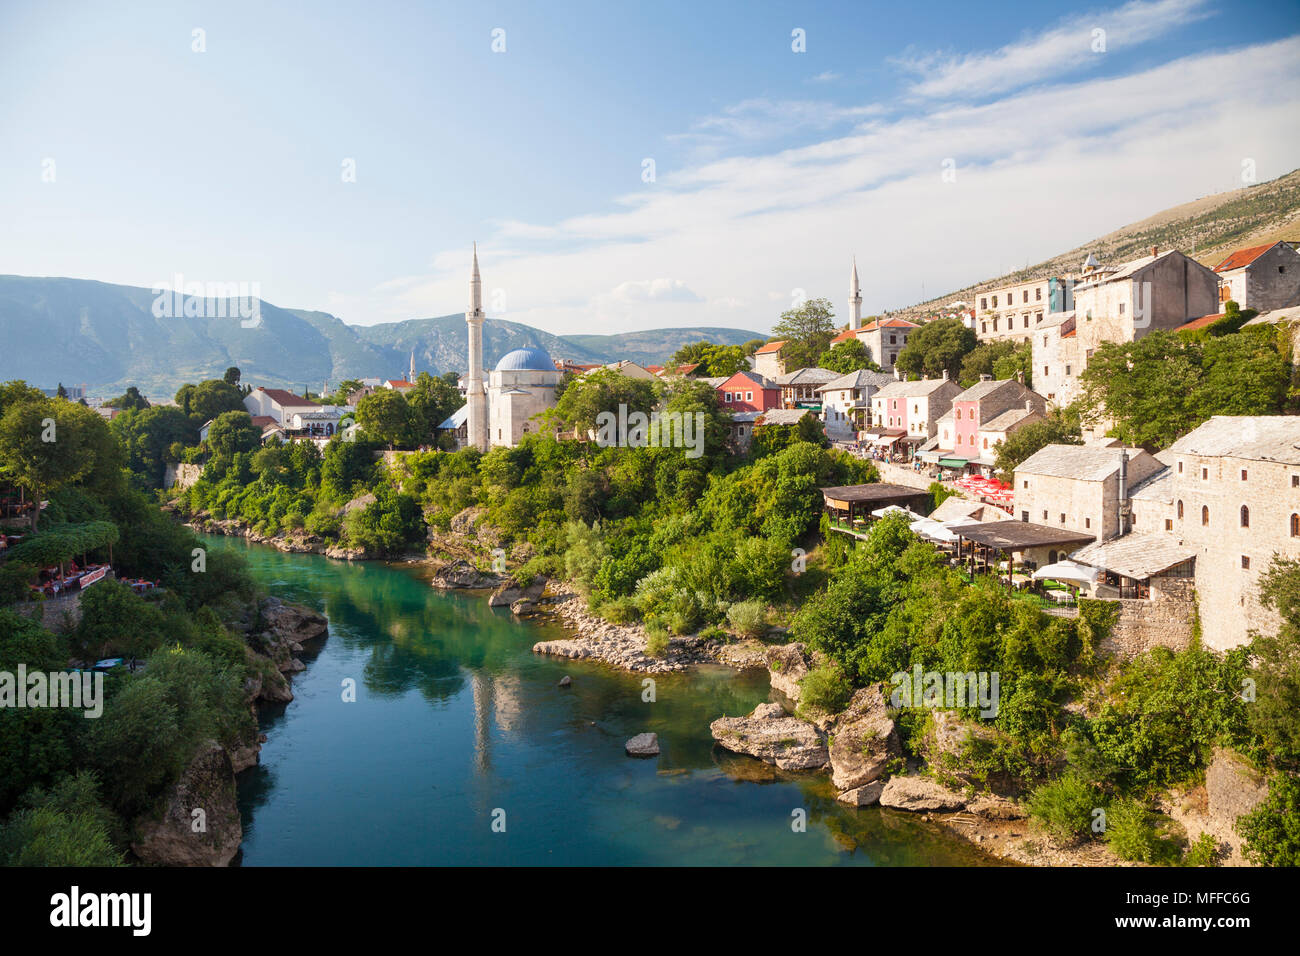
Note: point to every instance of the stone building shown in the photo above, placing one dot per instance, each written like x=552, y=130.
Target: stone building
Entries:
x=768, y=360
x=1119, y=304
x=915, y=407
x=1079, y=487
x=1261, y=277
x=884, y=339
x=846, y=401
x=1013, y=313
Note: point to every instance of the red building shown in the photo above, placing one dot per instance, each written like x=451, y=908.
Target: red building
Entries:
x=748, y=392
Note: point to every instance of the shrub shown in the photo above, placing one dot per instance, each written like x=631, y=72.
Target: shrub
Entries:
x=1204, y=852
x=748, y=618
x=1065, y=806
x=1135, y=833
x=824, y=689
x=1272, y=829
x=656, y=641
x=716, y=634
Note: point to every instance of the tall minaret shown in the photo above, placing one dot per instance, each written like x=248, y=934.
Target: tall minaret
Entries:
x=855, y=299
x=410, y=375
x=475, y=397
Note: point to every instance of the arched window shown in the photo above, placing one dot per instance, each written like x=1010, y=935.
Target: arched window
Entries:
x=1245, y=517
x=1051, y=557
x=1205, y=514
x=1180, y=509
x=1295, y=526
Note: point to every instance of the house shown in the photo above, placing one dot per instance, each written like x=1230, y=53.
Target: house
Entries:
x=740, y=430
x=277, y=404
x=913, y=408
x=1262, y=277
x=884, y=339
x=768, y=361
x=800, y=388
x=846, y=401
x=1080, y=487
x=1230, y=491
x=748, y=392
x=631, y=369
x=982, y=416
x=399, y=385
x=456, y=425
x=1118, y=304
x=1013, y=313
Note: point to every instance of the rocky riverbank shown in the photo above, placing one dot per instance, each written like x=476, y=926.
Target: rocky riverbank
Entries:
x=278, y=635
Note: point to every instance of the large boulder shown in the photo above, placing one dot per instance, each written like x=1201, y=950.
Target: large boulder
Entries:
x=788, y=665
x=944, y=746
x=643, y=745
x=182, y=837
x=920, y=794
x=863, y=796
x=461, y=574
x=864, y=740
x=510, y=592
x=787, y=742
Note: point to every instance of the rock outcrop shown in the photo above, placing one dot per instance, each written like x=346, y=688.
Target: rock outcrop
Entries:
x=920, y=794
x=643, y=745
x=461, y=574
x=509, y=593
x=944, y=745
x=788, y=665
x=200, y=825
x=864, y=740
x=771, y=736
x=863, y=796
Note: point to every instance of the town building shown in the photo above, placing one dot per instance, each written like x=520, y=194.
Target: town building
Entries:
x=1118, y=304
x=981, y=417
x=1013, y=313
x=801, y=388
x=631, y=369
x=1080, y=487
x=913, y=407
x=768, y=361
x=884, y=339
x=846, y=401
x=1262, y=277
x=278, y=404
x=748, y=392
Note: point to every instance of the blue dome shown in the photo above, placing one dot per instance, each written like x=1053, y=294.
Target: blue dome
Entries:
x=526, y=360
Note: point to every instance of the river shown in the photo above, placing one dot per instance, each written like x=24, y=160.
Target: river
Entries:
x=461, y=749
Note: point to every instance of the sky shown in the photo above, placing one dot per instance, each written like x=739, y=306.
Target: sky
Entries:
x=621, y=167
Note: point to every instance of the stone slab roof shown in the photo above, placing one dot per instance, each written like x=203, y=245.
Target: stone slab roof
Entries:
x=1084, y=462
x=1137, y=556
x=1254, y=437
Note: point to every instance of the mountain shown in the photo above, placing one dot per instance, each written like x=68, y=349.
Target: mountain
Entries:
x=78, y=331
x=1206, y=229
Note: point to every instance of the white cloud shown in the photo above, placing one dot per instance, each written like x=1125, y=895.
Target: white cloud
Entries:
x=1029, y=185
x=824, y=77
x=1052, y=53
x=653, y=290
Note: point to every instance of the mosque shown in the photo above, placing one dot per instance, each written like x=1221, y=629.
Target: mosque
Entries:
x=523, y=384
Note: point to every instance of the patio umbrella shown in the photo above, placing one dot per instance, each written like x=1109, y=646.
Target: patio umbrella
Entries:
x=934, y=530
x=1068, y=571
x=894, y=509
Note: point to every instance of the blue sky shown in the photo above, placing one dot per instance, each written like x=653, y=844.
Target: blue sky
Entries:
x=771, y=167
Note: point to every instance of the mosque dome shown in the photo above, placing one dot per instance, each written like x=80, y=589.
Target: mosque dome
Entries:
x=526, y=360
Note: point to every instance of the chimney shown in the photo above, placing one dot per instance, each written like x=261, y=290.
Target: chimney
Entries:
x=1155, y=251
x=945, y=375
x=985, y=377
x=1029, y=404
x=1020, y=377
x=1123, y=510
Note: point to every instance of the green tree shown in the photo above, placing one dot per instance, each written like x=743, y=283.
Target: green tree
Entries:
x=232, y=376
x=132, y=399
x=807, y=332
x=385, y=416
x=45, y=445
x=936, y=347
x=233, y=433
x=1060, y=427
x=851, y=355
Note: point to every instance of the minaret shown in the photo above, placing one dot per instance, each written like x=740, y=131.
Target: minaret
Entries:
x=410, y=374
x=855, y=299
x=476, y=424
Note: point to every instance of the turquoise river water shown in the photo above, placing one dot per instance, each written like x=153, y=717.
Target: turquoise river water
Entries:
x=457, y=724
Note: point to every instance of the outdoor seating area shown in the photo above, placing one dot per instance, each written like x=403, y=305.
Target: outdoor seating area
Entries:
x=987, y=489
x=853, y=508
x=53, y=582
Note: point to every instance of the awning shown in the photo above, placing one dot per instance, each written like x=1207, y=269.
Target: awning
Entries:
x=952, y=462
x=885, y=439
x=1068, y=571
x=894, y=509
x=933, y=530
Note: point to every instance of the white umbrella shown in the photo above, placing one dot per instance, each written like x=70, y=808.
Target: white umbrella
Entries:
x=894, y=509
x=934, y=530
x=1068, y=571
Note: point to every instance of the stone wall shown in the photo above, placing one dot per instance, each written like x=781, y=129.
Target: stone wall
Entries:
x=1163, y=621
x=57, y=615
x=181, y=476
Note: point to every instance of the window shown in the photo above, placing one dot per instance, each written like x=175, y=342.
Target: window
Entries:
x=1245, y=517
x=1063, y=517
x=1024, y=516
x=1205, y=515
x=749, y=396
x=984, y=303
x=958, y=414
x=1044, y=515
x=893, y=339
x=1295, y=481
x=995, y=324
x=1295, y=526
x=1087, y=522
x=1205, y=474
x=1067, y=369
x=995, y=302
x=1121, y=308
x=1180, y=510
x=1245, y=562
x=1026, y=320
x=1180, y=467
x=1025, y=295
x=986, y=443
x=1038, y=294
x=984, y=326
x=916, y=409
x=1169, y=524
x=1243, y=474
x=1025, y=483
x=726, y=396
x=1045, y=372
x=1044, y=341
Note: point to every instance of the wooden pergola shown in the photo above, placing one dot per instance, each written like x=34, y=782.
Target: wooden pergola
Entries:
x=979, y=545
x=850, y=504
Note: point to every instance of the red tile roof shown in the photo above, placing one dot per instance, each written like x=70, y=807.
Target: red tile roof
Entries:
x=1201, y=323
x=770, y=347
x=399, y=383
x=281, y=397
x=889, y=324
x=848, y=335
x=687, y=369
x=1243, y=257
